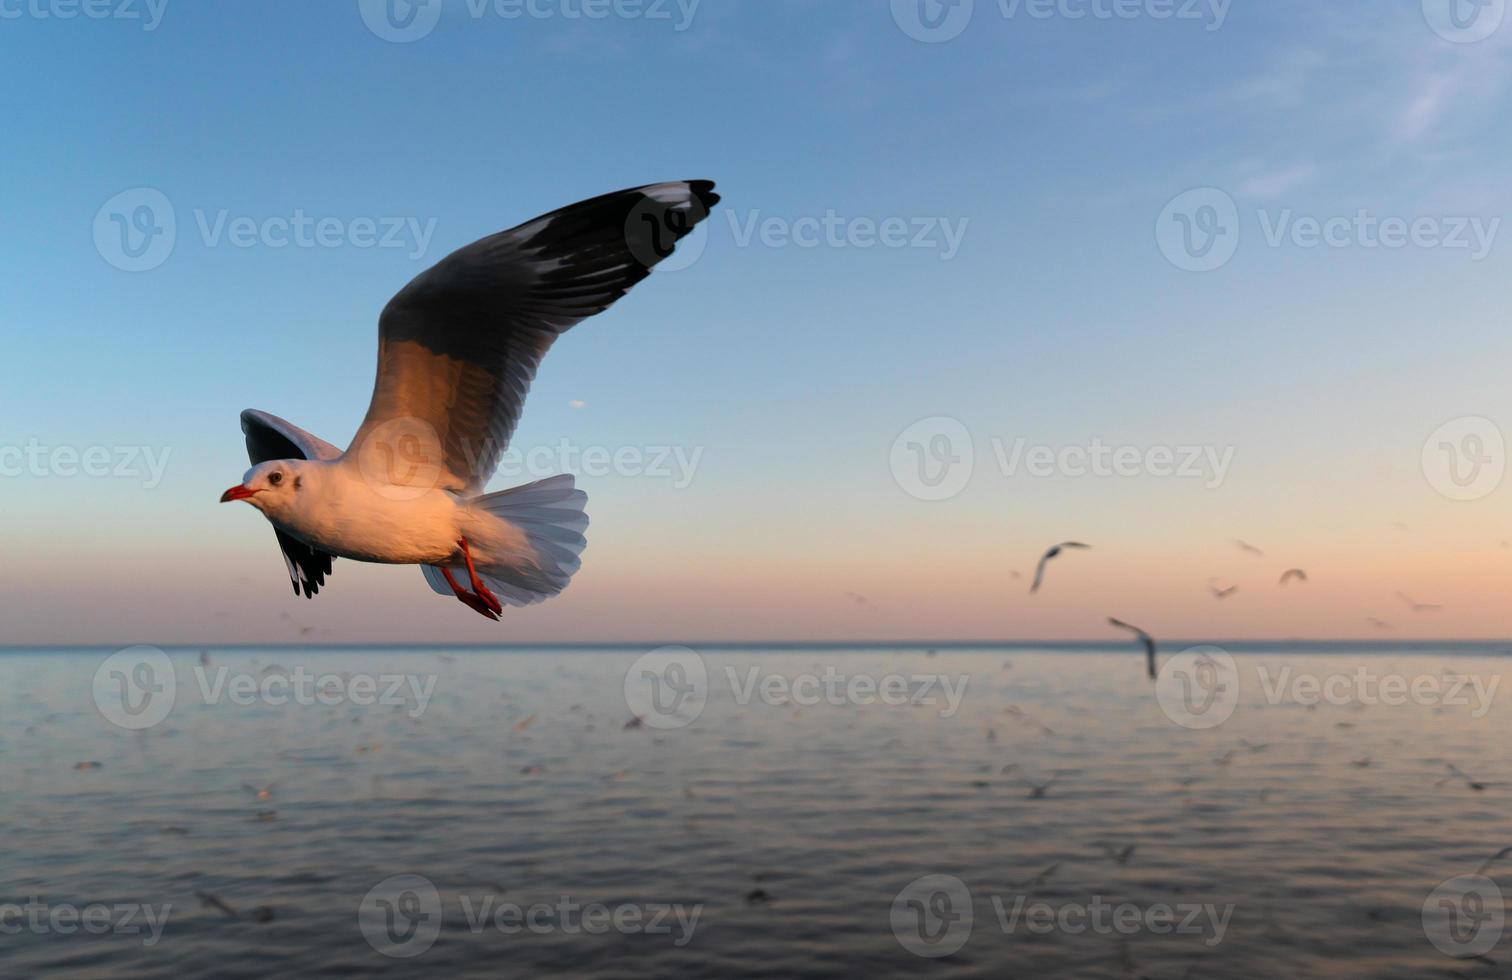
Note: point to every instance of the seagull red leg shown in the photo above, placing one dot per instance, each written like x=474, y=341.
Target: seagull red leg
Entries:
x=476, y=603
x=477, y=583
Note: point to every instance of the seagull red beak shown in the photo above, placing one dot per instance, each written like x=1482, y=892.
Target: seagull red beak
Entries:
x=236, y=493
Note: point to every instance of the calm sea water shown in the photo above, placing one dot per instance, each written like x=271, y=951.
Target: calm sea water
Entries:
x=504, y=813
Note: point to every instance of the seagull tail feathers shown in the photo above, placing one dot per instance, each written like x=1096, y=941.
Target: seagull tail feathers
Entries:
x=552, y=516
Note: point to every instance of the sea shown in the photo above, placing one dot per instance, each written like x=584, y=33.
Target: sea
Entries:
x=1254, y=810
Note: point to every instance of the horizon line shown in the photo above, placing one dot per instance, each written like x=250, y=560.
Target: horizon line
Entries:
x=772, y=644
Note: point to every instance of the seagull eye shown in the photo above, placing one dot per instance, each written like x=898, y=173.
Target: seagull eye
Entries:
x=275, y=478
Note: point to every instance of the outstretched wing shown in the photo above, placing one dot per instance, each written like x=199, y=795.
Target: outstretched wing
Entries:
x=270, y=437
x=459, y=346
x=1039, y=570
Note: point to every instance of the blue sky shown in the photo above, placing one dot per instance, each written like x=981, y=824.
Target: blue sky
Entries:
x=1049, y=143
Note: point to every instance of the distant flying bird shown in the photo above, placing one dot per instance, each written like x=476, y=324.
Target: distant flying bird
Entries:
x=1119, y=855
x=1456, y=772
x=1023, y=716
x=1145, y=638
x=1294, y=573
x=1037, y=791
x=1493, y=859
x=208, y=900
x=1379, y=624
x=457, y=350
x=1247, y=547
x=860, y=600
x=1222, y=593
x=1039, y=571
x=1036, y=880
x=1418, y=606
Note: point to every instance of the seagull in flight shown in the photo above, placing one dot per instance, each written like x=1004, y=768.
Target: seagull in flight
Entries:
x=1145, y=638
x=1294, y=573
x=1222, y=593
x=1248, y=548
x=1055, y=552
x=1418, y=607
x=457, y=350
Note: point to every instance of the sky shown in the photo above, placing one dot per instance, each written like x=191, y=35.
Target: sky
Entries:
x=1154, y=275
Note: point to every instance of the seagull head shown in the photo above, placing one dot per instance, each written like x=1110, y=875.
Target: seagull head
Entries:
x=273, y=488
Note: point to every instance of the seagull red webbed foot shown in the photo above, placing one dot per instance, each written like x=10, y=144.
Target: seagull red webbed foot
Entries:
x=482, y=602
x=478, y=587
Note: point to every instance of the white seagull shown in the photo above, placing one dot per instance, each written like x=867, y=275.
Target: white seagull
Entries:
x=457, y=350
